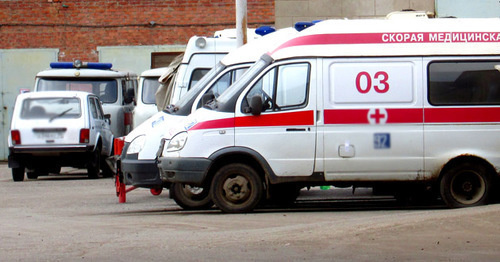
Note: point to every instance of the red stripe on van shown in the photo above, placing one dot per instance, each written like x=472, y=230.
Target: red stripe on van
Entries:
x=416, y=115
x=360, y=116
x=299, y=118
x=392, y=38
x=462, y=115
x=218, y=123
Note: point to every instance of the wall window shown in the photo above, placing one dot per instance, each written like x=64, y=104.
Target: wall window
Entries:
x=464, y=83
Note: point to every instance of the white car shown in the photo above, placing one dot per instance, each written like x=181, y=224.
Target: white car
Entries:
x=53, y=129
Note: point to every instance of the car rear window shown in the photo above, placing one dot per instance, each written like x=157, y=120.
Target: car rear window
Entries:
x=51, y=108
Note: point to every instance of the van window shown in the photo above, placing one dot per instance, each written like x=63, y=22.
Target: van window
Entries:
x=283, y=87
x=196, y=76
x=149, y=87
x=464, y=83
x=107, y=90
x=224, y=82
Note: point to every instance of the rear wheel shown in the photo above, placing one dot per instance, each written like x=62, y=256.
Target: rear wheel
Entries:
x=94, y=164
x=466, y=184
x=236, y=188
x=189, y=197
x=18, y=174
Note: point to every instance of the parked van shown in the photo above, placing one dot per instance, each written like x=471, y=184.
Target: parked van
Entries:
x=138, y=164
x=146, y=102
x=116, y=89
x=373, y=103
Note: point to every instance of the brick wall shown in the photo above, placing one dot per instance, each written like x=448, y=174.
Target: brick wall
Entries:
x=77, y=27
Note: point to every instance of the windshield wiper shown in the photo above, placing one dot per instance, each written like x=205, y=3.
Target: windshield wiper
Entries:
x=60, y=114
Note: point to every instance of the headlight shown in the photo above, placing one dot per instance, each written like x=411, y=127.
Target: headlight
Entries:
x=136, y=145
x=176, y=143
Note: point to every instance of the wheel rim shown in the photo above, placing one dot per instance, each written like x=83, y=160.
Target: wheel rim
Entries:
x=468, y=187
x=192, y=190
x=236, y=189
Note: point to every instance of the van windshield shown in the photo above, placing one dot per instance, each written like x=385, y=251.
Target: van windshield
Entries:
x=226, y=102
x=149, y=87
x=105, y=89
x=183, y=106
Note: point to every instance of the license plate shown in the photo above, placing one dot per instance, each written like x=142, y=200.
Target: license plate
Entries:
x=49, y=135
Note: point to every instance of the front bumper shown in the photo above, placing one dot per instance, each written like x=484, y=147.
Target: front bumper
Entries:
x=139, y=173
x=184, y=170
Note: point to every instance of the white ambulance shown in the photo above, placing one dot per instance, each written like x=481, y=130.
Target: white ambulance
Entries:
x=376, y=103
x=138, y=159
x=115, y=88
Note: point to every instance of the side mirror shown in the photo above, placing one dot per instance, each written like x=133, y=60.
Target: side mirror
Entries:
x=207, y=98
x=256, y=105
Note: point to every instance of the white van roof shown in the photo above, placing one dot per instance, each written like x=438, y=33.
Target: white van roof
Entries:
x=155, y=72
x=386, y=37
x=62, y=69
x=252, y=51
x=223, y=42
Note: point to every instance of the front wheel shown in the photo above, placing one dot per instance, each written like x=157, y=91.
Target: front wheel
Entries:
x=191, y=198
x=18, y=174
x=236, y=188
x=466, y=184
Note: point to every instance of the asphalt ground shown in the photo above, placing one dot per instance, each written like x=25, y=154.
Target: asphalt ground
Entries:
x=69, y=217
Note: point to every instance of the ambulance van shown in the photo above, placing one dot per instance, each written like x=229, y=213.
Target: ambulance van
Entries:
x=115, y=88
x=363, y=103
x=138, y=159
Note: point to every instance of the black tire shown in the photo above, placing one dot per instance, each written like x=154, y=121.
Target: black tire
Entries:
x=18, y=174
x=236, y=188
x=190, y=198
x=94, y=164
x=466, y=184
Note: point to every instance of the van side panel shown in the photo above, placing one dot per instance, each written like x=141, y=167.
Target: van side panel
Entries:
x=462, y=110
x=373, y=119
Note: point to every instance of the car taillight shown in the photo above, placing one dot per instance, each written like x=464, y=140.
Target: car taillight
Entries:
x=84, y=135
x=16, y=137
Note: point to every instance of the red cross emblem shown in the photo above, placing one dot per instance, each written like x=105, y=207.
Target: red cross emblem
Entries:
x=377, y=116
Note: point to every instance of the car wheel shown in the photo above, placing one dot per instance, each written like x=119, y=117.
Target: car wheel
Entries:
x=18, y=174
x=466, y=184
x=189, y=197
x=94, y=164
x=236, y=188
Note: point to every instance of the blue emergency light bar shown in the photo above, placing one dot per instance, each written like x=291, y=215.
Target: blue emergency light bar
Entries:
x=299, y=26
x=264, y=30
x=80, y=64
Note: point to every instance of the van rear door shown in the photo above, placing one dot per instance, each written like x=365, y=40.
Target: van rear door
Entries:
x=285, y=131
x=373, y=119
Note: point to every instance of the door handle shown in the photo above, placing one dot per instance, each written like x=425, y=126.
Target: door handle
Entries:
x=295, y=129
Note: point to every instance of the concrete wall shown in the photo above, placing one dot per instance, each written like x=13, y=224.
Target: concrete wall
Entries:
x=18, y=68
x=289, y=12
